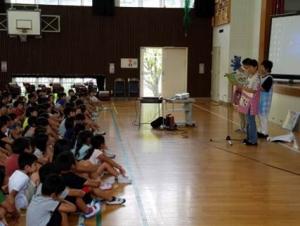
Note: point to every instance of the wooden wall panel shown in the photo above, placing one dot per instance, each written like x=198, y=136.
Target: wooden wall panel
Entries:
x=88, y=43
x=266, y=13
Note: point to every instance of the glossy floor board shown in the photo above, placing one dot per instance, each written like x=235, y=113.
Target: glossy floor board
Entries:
x=183, y=178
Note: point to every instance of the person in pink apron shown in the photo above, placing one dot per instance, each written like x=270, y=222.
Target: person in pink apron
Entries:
x=238, y=92
x=249, y=102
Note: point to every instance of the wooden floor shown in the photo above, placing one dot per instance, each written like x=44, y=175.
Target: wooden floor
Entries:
x=181, y=178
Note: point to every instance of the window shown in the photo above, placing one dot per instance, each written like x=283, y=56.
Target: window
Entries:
x=47, y=2
x=129, y=3
x=67, y=83
x=70, y=2
x=87, y=2
x=120, y=3
x=152, y=3
x=174, y=3
x=23, y=1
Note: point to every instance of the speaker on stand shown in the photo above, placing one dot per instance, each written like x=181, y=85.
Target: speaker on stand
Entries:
x=104, y=7
x=204, y=8
x=2, y=6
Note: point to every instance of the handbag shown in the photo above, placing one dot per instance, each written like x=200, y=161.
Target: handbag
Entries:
x=170, y=122
x=157, y=123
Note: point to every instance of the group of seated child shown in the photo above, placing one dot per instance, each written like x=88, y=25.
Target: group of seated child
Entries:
x=53, y=158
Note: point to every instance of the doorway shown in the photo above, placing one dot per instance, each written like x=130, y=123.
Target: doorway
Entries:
x=163, y=74
x=163, y=71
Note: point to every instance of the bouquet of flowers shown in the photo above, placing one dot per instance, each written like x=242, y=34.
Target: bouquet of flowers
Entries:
x=237, y=78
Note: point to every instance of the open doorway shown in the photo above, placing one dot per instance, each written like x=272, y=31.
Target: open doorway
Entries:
x=151, y=72
x=163, y=71
x=163, y=74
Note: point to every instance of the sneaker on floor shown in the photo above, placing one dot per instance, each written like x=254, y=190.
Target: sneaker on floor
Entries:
x=250, y=144
x=109, y=155
x=123, y=180
x=110, y=180
x=93, y=210
x=261, y=135
x=116, y=201
x=106, y=186
x=99, y=132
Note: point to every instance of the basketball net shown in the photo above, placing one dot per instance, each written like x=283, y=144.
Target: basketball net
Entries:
x=23, y=36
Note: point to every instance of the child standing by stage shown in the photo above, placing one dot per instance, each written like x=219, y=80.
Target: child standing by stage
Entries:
x=241, y=72
x=250, y=102
x=265, y=97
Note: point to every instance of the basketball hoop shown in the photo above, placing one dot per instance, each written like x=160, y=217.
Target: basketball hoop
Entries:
x=24, y=30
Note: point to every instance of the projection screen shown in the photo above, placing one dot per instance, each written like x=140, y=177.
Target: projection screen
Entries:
x=284, y=48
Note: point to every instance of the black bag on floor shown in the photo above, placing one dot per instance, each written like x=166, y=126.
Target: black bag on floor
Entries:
x=157, y=122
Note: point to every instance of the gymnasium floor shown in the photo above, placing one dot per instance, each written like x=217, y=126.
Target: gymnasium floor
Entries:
x=183, y=179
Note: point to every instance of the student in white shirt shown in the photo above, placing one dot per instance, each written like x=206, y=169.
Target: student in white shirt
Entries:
x=252, y=88
x=96, y=155
x=20, y=183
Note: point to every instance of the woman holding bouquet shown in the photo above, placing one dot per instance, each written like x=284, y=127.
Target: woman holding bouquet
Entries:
x=241, y=72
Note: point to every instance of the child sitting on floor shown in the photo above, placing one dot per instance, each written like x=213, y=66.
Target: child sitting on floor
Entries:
x=47, y=208
x=96, y=155
x=65, y=164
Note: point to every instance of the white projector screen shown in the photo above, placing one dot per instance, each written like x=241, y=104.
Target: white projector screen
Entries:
x=284, y=49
